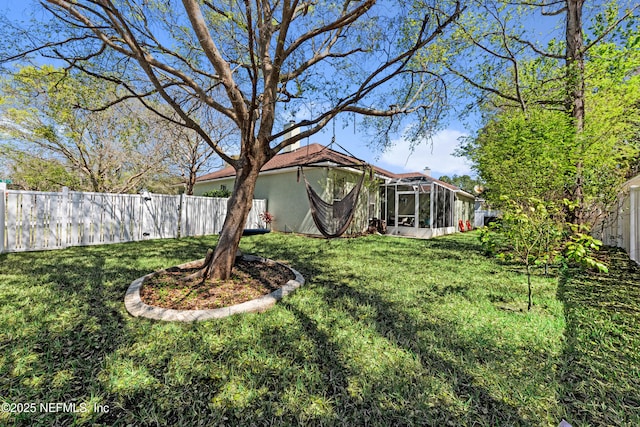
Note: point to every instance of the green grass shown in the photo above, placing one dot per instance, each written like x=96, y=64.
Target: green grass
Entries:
x=386, y=331
x=601, y=363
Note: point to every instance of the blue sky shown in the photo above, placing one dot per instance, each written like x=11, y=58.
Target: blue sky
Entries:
x=398, y=158
x=436, y=154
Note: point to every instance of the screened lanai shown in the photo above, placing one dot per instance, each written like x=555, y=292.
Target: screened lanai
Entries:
x=423, y=207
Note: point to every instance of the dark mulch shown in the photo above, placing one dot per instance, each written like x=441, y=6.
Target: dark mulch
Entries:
x=249, y=280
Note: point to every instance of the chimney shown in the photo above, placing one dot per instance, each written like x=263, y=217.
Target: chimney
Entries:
x=290, y=133
x=427, y=171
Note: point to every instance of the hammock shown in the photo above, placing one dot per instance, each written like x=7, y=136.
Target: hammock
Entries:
x=333, y=219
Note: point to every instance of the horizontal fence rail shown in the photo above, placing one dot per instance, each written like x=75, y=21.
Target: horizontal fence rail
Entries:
x=33, y=221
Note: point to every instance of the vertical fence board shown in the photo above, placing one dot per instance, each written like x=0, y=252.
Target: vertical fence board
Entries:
x=41, y=221
x=96, y=220
x=101, y=220
x=126, y=220
x=40, y=218
x=52, y=225
x=64, y=217
x=74, y=213
x=84, y=220
x=634, y=226
x=134, y=219
x=12, y=221
x=3, y=214
x=117, y=219
x=25, y=221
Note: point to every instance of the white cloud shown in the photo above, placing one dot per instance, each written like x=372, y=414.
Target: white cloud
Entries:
x=437, y=155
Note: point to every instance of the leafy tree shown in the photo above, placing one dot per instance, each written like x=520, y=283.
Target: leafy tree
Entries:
x=524, y=155
x=258, y=63
x=535, y=153
x=610, y=141
x=498, y=54
x=464, y=182
x=37, y=173
x=54, y=138
x=532, y=232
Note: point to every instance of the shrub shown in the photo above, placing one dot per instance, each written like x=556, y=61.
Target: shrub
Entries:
x=224, y=193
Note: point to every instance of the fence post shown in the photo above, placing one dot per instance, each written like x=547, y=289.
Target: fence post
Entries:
x=634, y=215
x=145, y=215
x=3, y=201
x=181, y=215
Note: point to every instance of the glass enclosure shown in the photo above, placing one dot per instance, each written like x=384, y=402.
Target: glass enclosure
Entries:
x=419, y=204
x=425, y=209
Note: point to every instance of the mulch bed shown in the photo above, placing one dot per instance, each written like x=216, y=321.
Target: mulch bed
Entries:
x=249, y=280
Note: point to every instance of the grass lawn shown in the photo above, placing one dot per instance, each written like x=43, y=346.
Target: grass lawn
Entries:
x=601, y=363
x=386, y=331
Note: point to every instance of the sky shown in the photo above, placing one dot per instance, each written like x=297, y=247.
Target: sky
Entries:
x=437, y=154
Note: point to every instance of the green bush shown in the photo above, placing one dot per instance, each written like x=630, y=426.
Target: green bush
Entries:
x=224, y=193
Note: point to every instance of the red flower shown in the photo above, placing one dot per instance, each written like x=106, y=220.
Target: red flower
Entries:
x=267, y=217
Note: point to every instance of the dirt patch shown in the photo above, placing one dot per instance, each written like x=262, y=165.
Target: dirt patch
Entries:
x=249, y=280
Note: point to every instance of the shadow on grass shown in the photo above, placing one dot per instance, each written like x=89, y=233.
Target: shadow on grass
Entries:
x=343, y=350
x=452, y=354
x=62, y=316
x=600, y=372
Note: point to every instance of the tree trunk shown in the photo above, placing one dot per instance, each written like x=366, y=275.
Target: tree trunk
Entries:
x=530, y=300
x=575, y=62
x=575, y=95
x=220, y=264
x=191, y=182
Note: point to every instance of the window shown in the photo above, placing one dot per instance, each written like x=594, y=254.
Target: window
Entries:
x=424, y=213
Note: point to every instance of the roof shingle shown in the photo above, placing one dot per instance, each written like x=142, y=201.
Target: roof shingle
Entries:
x=314, y=154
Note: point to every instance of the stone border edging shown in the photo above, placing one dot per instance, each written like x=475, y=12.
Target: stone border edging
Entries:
x=137, y=308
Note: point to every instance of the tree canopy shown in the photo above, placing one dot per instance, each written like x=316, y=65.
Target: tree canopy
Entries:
x=535, y=153
x=257, y=63
x=559, y=112
x=465, y=182
x=54, y=139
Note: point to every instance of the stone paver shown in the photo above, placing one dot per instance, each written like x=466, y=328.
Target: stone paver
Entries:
x=137, y=308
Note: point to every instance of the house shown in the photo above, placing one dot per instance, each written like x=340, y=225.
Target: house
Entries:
x=413, y=204
x=621, y=225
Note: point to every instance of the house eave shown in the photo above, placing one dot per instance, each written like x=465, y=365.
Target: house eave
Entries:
x=326, y=164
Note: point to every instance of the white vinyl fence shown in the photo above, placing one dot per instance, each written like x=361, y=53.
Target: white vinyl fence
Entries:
x=621, y=227
x=32, y=220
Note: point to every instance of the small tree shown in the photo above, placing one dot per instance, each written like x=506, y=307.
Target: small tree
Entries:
x=530, y=234
x=190, y=155
x=267, y=218
x=581, y=248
